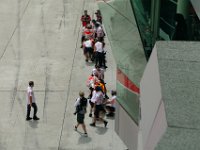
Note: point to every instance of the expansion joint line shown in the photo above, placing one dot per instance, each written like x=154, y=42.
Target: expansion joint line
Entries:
x=14, y=92
x=68, y=91
x=4, y=50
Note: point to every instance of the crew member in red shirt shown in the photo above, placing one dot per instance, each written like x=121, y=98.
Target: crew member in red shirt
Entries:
x=85, y=18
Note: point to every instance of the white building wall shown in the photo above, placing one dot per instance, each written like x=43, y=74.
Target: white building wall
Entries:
x=158, y=129
x=151, y=104
x=126, y=128
x=196, y=5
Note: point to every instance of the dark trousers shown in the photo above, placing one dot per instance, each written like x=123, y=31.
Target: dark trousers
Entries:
x=104, y=60
x=29, y=110
x=82, y=38
x=99, y=59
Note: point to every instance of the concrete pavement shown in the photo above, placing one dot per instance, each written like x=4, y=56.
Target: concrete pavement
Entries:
x=40, y=41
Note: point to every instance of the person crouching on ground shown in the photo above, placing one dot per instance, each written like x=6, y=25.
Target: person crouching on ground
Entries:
x=110, y=104
x=81, y=105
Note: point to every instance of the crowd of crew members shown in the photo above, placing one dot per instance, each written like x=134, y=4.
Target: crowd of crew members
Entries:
x=92, y=42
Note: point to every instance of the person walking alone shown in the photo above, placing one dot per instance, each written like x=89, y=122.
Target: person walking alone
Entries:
x=31, y=102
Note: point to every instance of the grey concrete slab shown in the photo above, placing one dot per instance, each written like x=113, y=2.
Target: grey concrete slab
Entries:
x=179, y=139
x=179, y=76
x=40, y=41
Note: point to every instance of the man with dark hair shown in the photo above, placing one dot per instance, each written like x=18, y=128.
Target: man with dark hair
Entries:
x=85, y=18
x=97, y=99
x=99, y=72
x=99, y=52
x=31, y=102
x=98, y=16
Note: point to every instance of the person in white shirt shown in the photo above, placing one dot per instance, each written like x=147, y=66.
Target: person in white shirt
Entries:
x=110, y=104
x=31, y=102
x=99, y=32
x=99, y=52
x=92, y=101
x=98, y=71
x=87, y=49
x=97, y=99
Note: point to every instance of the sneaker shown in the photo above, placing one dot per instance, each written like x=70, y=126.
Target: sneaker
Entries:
x=105, y=123
x=85, y=134
x=92, y=124
x=75, y=128
x=36, y=118
x=90, y=115
x=28, y=118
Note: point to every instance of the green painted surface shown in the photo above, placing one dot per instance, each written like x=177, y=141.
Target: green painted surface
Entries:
x=142, y=14
x=125, y=41
x=129, y=101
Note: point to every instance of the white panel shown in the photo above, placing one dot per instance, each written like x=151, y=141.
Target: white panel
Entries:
x=158, y=129
x=196, y=5
x=150, y=95
x=128, y=130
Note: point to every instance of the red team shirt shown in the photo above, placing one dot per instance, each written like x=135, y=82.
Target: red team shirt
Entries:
x=85, y=20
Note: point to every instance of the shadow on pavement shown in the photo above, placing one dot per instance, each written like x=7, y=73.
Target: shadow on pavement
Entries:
x=101, y=130
x=110, y=118
x=83, y=140
x=33, y=124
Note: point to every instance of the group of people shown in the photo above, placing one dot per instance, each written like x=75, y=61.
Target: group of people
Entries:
x=100, y=104
x=93, y=47
x=92, y=40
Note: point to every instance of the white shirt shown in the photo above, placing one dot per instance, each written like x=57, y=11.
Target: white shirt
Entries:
x=99, y=73
x=97, y=97
x=93, y=99
x=88, y=43
x=99, y=47
x=30, y=93
x=112, y=101
x=100, y=32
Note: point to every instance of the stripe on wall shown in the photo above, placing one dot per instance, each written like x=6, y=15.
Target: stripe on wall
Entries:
x=126, y=82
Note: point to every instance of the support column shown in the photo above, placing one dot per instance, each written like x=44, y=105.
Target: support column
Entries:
x=182, y=8
x=155, y=19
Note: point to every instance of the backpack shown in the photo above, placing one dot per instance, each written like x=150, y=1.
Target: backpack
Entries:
x=81, y=108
